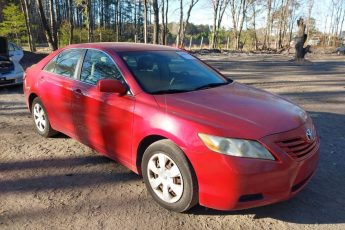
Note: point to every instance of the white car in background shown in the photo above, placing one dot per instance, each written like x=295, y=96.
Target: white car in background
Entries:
x=11, y=71
x=15, y=52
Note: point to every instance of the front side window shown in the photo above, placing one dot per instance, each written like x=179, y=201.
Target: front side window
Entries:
x=160, y=72
x=65, y=63
x=96, y=66
x=11, y=47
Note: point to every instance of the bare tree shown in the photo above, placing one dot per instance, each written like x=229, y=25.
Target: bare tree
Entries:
x=31, y=41
x=71, y=25
x=238, y=12
x=266, y=43
x=155, y=21
x=45, y=25
x=145, y=21
x=178, y=37
x=219, y=7
x=166, y=21
x=53, y=23
x=310, y=8
x=163, y=31
x=254, y=12
x=89, y=21
x=185, y=23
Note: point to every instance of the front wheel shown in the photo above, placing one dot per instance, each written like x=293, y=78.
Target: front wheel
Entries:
x=40, y=117
x=169, y=177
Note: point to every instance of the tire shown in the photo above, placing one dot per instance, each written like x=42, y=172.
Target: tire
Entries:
x=180, y=182
x=41, y=120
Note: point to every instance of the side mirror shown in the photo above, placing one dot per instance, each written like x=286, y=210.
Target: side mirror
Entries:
x=111, y=86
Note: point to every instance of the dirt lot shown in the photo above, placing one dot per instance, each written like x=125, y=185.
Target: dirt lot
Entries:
x=60, y=184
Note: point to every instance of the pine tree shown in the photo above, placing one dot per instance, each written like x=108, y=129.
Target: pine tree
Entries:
x=13, y=25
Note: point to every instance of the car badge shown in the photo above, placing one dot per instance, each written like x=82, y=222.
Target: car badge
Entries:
x=310, y=135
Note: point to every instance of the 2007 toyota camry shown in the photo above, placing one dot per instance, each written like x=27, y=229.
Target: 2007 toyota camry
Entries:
x=194, y=135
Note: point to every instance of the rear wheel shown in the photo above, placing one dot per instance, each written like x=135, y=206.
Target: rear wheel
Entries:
x=41, y=120
x=169, y=177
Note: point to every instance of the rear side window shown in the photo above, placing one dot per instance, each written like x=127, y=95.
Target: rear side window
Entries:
x=98, y=65
x=65, y=63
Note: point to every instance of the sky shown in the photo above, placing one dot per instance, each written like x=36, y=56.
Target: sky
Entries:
x=203, y=13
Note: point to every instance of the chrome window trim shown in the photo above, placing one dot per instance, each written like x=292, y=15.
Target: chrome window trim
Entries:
x=81, y=61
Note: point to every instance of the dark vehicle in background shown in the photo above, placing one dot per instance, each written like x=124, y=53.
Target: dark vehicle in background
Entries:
x=341, y=50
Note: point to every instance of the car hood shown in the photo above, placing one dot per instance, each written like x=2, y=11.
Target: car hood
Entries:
x=235, y=110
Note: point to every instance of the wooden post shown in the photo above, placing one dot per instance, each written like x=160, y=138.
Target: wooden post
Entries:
x=202, y=39
x=135, y=38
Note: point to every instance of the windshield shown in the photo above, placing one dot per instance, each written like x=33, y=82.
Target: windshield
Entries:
x=170, y=71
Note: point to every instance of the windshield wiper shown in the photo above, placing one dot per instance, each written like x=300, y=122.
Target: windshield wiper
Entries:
x=169, y=91
x=211, y=85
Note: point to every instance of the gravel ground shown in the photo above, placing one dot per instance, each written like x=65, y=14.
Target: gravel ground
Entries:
x=59, y=183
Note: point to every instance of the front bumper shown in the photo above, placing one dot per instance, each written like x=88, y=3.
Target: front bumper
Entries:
x=11, y=79
x=230, y=183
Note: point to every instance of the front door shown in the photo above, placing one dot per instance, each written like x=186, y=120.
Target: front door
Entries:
x=104, y=120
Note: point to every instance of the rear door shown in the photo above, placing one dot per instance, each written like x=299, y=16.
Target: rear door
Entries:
x=56, y=84
x=103, y=120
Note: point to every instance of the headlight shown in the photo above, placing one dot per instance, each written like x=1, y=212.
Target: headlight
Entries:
x=236, y=147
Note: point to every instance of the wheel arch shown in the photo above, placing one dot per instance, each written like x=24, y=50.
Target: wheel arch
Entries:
x=143, y=145
x=31, y=99
x=149, y=140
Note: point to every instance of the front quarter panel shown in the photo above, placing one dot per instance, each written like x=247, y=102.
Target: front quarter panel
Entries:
x=150, y=119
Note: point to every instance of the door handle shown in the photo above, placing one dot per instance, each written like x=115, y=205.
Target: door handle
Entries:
x=78, y=91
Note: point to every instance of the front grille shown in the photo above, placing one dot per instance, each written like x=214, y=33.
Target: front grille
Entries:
x=298, y=147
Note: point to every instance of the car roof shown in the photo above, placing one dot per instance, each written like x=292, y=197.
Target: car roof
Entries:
x=123, y=46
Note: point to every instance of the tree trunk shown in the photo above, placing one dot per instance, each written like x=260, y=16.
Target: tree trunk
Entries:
x=179, y=43
x=215, y=17
x=185, y=24
x=156, y=21
x=254, y=27
x=166, y=22
x=145, y=21
x=300, y=40
x=45, y=25
x=310, y=8
x=28, y=25
x=89, y=21
x=268, y=25
x=163, y=33
x=71, y=25
x=244, y=12
x=53, y=22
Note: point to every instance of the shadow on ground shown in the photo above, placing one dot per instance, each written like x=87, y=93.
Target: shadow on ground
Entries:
x=63, y=181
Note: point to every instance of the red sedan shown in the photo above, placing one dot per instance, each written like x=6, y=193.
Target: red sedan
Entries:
x=194, y=135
